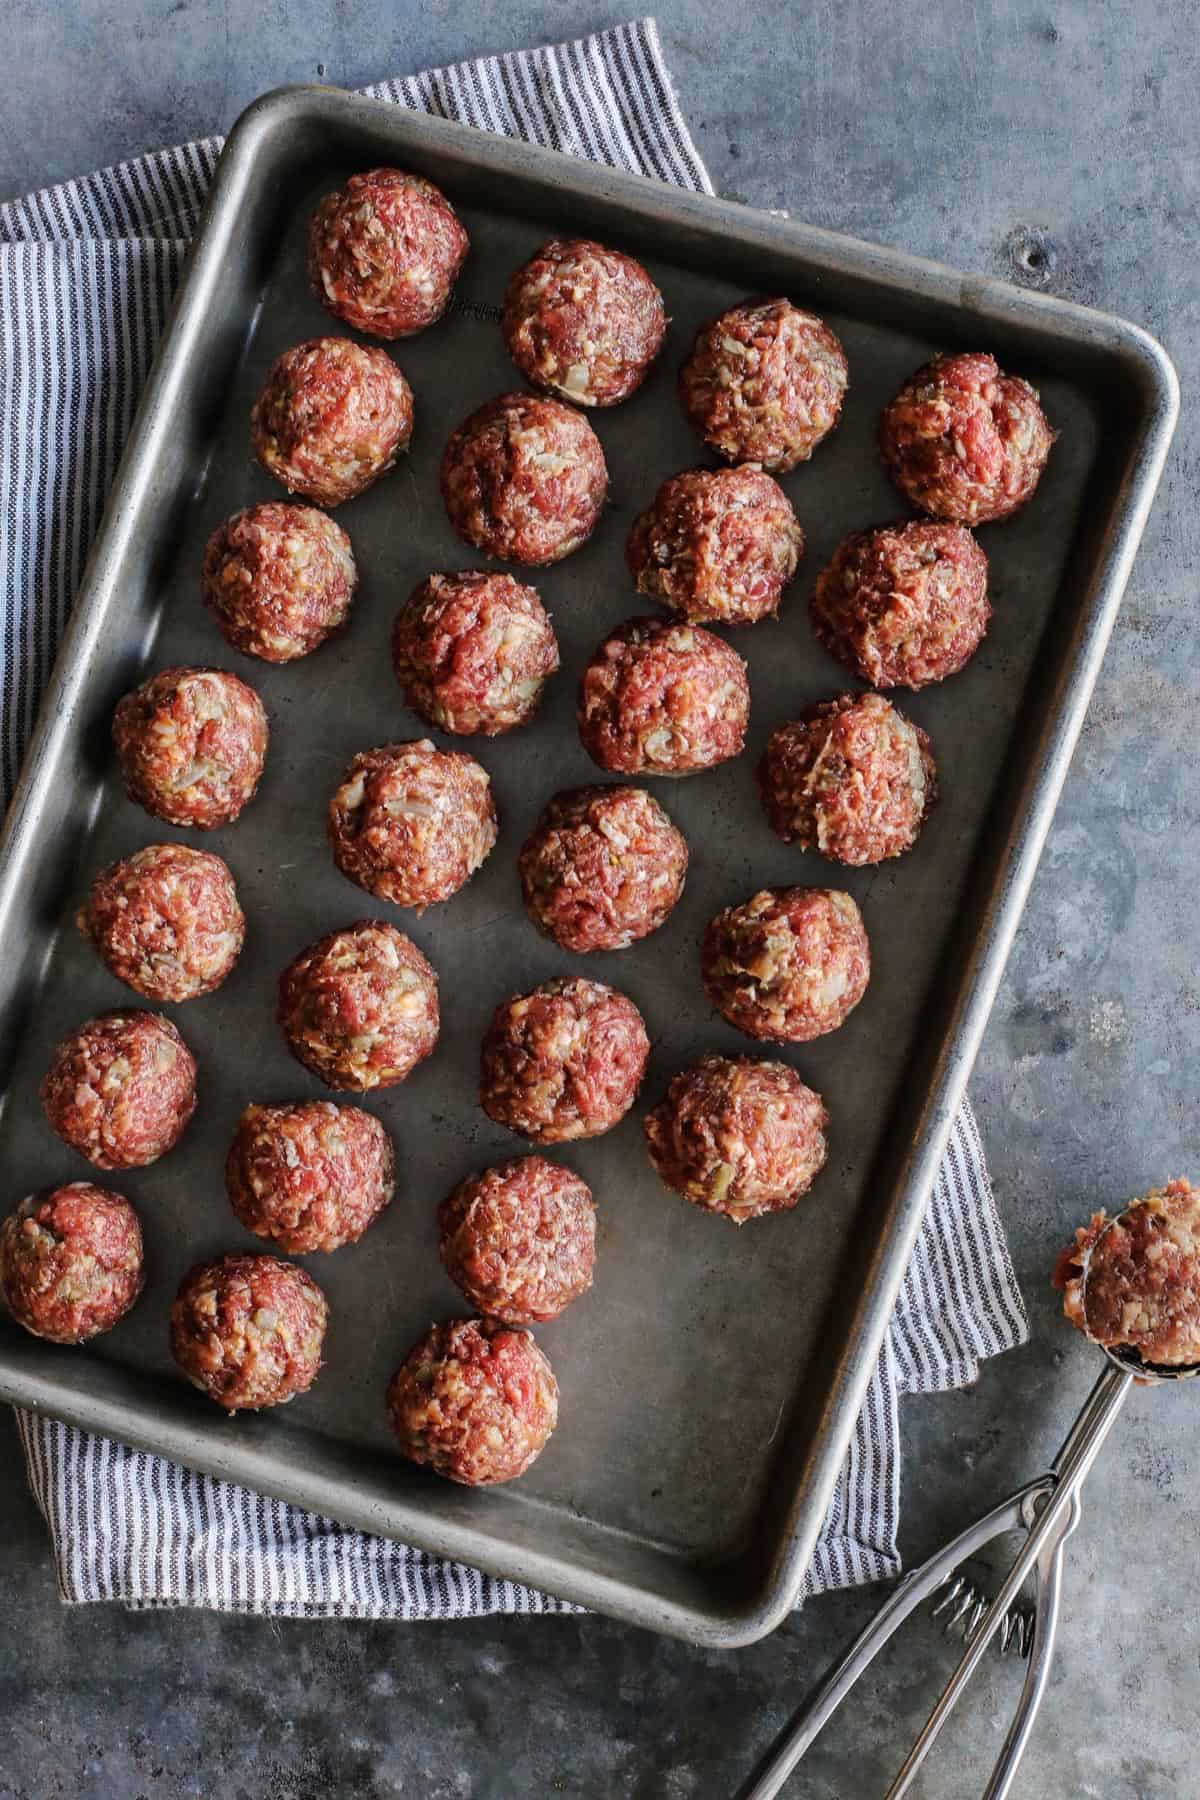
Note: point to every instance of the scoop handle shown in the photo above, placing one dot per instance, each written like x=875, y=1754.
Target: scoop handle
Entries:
x=1037, y=1671
x=1071, y=1466
x=789, y=1747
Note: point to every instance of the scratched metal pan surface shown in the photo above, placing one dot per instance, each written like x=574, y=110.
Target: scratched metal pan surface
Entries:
x=711, y=1378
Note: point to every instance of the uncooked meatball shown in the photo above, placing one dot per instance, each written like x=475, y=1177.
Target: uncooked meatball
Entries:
x=310, y=1176
x=1133, y=1282
x=248, y=1330
x=788, y=964
x=602, y=868
x=360, y=1007
x=904, y=605
x=965, y=442
x=121, y=1089
x=659, y=698
x=524, y=478
x=764, y=384
x=166, y=921
x=520, y=1239
x=475, y=1400
x=473, y=652
x=851, y=777
x=583, y=322
x=279, y=579
x=332, y=417
x=191, y=744
x=717, y=546
x=411, y=823
x=384, y=252
x=738, y=1136
x=71, y=1262
x=564, y=1061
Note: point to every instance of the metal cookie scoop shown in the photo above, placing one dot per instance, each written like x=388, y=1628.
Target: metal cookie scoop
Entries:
x=1048, y=1509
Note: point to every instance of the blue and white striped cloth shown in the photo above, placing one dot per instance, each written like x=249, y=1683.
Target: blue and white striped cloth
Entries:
x=87, y=271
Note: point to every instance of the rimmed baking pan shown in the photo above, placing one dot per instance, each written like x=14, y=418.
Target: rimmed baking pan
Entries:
x=711, y=1379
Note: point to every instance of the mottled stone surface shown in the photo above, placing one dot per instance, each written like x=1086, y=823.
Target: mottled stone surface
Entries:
x=1055, y=144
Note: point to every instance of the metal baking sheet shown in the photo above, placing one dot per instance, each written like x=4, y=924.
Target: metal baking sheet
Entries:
x=711, y=1379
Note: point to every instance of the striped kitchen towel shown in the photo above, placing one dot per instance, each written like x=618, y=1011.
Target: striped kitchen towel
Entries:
x=86, y=276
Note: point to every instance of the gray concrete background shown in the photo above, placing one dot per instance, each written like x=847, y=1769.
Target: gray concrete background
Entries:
x=961, y=131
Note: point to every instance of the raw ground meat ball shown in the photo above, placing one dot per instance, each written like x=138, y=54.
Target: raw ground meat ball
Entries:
x=411, y=823
x=120, y=1089
x=310, y=1176
x=279, y=578
x=764, y=384
x=788, y=964
x=904, y=605
x=384, y=252
x=564, y=1061
x=473, y=652
x=524, y=478
x=717, y=546
x=738, y=1136
x=332, y=417
x=475, y=1400
x=965, y=442
x=583, y=322
x=248, y=1330
x=1133, y=1282
x=851, y=777
x=603, y=867
x=71, y=1262
x=191, y=744
x=166, y=921
x=660, y=698
x=360, y=1007
x=520, y=1240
